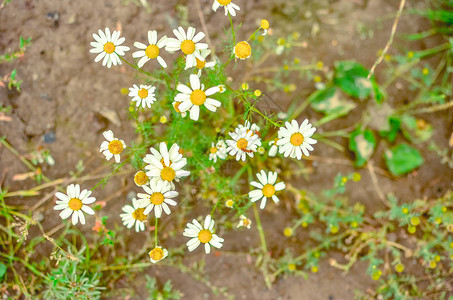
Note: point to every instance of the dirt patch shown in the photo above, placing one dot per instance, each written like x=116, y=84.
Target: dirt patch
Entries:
x=67, y=95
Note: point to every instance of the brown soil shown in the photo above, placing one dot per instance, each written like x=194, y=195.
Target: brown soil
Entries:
x=65, y=92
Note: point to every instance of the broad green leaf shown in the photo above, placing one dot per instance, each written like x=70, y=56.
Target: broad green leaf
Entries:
x=416, y=130
x=394, y=128
x=2, y=270
x=331, y=101
x=362, y=143
x=402, y=159
x=351, y=78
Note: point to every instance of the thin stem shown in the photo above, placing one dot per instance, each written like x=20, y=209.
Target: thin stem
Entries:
x=232, y=28
x=155, y=232
x=387, y=46
x=260, y=228
x=138, y=69
x=254, y=33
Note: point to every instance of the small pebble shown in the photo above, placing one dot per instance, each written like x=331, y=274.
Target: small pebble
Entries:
x=46, y=97
x=54, y=17
x=49, y=137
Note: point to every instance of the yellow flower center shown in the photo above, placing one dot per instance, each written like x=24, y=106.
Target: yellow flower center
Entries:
x=229, y=203
x=246, y=222
x=152, y=51
x=224, y=2
x=268, y=190
x=116, y=147
x=198, y=97
x=143, y=93
x=200, y=63
x=109, y=47
x=205, y=236
x=167, y=174
x=156, y=254
x=297, y=139
x=188, y=47
x=75, y=204
x=242, y=143
x=242, y=50
x=213, y=150
x=156, y=198
x=264, y=24
x=138, y=215
x=141, y=178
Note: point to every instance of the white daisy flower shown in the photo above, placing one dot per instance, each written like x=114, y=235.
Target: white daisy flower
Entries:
x=188, y=44
x=295, y=140
x=218, y=151
x=244, y=222
x=150, y=51
x=176, y=105
x=201, y=64
x=273, y=148
x=229, y=6
x=244, y=143
x=266, y=188
x=157, y=196
x=229, y=203
x=202, y=234
x=74, y=203
x=112, y=147
x=195, y=96
x=108, y=47
x=157, y=254
x=166, y=164
x=143, y=95
x=133, y=215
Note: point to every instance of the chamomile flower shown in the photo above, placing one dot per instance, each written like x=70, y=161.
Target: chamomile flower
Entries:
x=176, y=105
x=242, y=50
x=150, y=51
x=157, y=254
x=108, y=47
x=166, y=165
x=202, y=234
x=295, y=140
x=140, y=178
x=266, y=188
x=229, y=203
x=201, y=64
x=217, y=151
x=133, y=216
x=112, y=147
x=143, y=95
x=188, y=44
x=244, y=142
x=273, y=148
x=244, y=222
x=158, y=196
x=229, y=6
x=74, y=203
x=264, y=25
x=195, y=96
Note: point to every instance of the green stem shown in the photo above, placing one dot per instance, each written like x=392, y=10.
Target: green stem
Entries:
x=155, y=232
x=232, y=28
x=260, y=228
x=253, y=33
x=138, y=69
